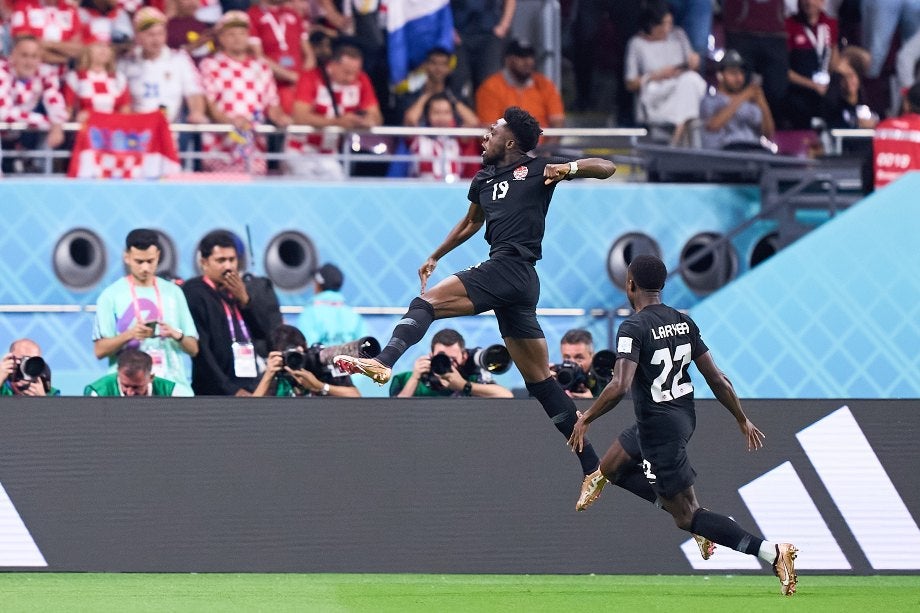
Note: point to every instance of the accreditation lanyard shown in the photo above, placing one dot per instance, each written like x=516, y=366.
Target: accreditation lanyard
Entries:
x=156, y=353
x=230, y=316
x=820, y=39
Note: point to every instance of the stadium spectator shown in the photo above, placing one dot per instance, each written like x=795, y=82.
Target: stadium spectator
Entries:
x=96, y=85
x=757, y=30
x=23, y=371
x=240, y=90
x=184, y=31
x=30, y=92
x=328, y=319
x=845, y=105
x=228, y=321
x=694, y=17
x=146, y=312
x=666, y=418
x=812, y=41
x=519, y=84
x=577, y=351
x=438, y=157
x=160, y=78
x=445, y=372
x=280, y=37
x=661, y=66
x=108, y=21
x=321, y=44
x=896, y=145
x=336, y=94
x=480, y=30
x=737, y=115
x=287, y=371
x=133, y=377
x=437, y=81
x=56, y=23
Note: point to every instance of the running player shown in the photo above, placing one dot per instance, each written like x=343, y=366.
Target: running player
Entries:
x=654, y=348
x=511, y=196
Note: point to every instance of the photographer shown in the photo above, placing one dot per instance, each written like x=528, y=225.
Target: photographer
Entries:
x=289, y=348
x=582, y=373
x=133, y=377
x=23, y=372
x=444, y=372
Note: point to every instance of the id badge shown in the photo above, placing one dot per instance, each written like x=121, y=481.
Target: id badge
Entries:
x=244, y=360
x=822, y=77
x=286, y=61
x=159, y=361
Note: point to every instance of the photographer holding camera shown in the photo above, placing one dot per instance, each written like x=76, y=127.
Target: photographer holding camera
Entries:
x=294, y=369
x=23, y=372
x=447, y=371
x=582, y=373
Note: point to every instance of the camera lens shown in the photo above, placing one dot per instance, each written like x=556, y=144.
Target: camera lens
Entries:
x=32, y=367
x=294, y=359
x=441, y=364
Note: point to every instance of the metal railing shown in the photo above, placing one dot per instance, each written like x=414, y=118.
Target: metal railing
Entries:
x=351, y=151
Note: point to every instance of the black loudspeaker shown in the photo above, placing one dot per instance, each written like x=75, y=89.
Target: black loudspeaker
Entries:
x=707, y=273
x=622, y=252
x=764, y=248
x=290, y=260
x=169, y=259
x=79, y=259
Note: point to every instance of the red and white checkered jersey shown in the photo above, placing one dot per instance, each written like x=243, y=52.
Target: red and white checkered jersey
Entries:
x=280, y=31
x=56, y=23
x=162, y=82
x=238, y=89
x=351, y=98
x=106, y=26
x=96, y=91
x=19, y=98
x=437, y=157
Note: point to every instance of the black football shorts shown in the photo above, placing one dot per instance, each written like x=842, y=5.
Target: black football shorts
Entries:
x=509, y=286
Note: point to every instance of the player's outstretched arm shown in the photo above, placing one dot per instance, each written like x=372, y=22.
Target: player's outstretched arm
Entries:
x=725, y=393
x=623, y=373
x=589, y=168
x=465, y=228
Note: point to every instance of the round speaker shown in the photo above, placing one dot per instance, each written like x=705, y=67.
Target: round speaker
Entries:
x=622, y=252
x=79, y=259
x=290, y=260
x=708, y=272
x=764, y=248
x=169, y=260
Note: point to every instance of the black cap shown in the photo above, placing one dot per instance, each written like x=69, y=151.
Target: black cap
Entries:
x=329, y=277
x=731, y=59
x=520, y=48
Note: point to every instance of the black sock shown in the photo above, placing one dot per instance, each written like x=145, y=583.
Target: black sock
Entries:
x=561, y=410
x=724, y=531
x=633, y=479
x=408, y=331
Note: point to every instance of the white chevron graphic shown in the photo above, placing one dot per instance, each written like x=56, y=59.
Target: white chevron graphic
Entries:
x=17, y=547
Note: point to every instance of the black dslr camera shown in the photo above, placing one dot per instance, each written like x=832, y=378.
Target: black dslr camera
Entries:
x=484, y=362
x=570, y=375
x=31, y=368
x=318, y=358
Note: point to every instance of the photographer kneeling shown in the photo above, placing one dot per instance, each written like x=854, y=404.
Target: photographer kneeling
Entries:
x=293, y=369
x=582, y=373
x=449, y=371
x=23, y=371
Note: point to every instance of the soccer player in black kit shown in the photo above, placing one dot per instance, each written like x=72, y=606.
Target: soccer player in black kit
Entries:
x=511, y=196
x=654, y=348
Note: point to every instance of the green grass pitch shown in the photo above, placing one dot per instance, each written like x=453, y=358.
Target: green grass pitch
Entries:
x=123, y=593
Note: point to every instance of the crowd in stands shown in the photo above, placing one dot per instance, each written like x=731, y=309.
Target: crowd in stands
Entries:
x=806, y=65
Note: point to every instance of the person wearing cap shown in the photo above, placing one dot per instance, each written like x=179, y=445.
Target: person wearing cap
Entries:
x=240, y=90
x=737, y=115
x=328, y=320
x=160, y=78
x=519, y=84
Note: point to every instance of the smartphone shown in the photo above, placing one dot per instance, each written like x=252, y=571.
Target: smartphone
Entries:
x=152, y=325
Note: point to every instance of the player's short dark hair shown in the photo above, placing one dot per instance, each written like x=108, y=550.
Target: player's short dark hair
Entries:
x=134, y=361
x=577, y=336
x=651, y=13
x=285, y=337
x=216, y=238
x=448, y=337
x=142, y=238
x=524, y=127
x=649, y=272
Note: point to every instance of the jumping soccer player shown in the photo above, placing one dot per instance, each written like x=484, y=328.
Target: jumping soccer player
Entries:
x=511, y=196
x=654, y=349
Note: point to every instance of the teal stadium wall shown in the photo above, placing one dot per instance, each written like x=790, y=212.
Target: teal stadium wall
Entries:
x=378, y=232
x=836, y=314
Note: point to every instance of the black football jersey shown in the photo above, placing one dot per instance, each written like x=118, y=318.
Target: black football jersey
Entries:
x=662, y=341
x=515, y=202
